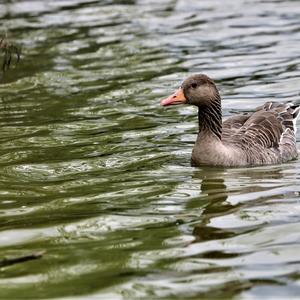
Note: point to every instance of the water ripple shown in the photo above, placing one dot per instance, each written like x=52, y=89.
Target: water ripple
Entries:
x=96, y=174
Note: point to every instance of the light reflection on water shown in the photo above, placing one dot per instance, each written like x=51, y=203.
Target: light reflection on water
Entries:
x=97, y=174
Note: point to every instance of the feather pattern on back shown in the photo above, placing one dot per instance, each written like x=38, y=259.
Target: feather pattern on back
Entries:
x=267, y=136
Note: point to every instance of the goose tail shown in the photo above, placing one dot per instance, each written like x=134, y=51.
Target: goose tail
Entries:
x=295, y=113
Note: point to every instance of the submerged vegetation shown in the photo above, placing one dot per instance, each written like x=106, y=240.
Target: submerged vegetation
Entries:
x=8, y=50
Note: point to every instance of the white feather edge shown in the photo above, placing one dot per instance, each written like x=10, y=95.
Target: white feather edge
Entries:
x=294, y=121
x=282, y=135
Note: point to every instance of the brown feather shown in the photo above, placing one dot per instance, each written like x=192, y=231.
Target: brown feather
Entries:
x=266, y=136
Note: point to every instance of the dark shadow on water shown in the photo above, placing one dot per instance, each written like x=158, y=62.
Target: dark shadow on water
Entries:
x=216, y=190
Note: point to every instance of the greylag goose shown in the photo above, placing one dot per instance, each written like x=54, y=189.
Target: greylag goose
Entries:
x=266, y=136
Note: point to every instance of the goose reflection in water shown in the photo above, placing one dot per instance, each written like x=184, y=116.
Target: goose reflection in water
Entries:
x=230, y=193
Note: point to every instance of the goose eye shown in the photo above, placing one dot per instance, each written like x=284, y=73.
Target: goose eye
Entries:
x=194, y=85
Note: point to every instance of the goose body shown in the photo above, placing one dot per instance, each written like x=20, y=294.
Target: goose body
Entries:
x=266, y=136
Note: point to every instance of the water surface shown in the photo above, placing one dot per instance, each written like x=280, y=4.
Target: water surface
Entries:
x=95, y=174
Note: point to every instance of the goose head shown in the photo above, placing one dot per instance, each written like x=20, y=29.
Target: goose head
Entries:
x=198, y=90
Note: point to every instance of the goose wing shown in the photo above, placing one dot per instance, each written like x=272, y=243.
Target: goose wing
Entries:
x=270, y=126
x=233, y=125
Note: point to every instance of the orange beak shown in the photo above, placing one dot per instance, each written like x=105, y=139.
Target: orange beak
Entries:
x=174, y=99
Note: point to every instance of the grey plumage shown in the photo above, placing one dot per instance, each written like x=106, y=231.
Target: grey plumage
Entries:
x=266, y=136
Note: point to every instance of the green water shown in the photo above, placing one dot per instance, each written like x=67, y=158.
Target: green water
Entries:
x=97, y=176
